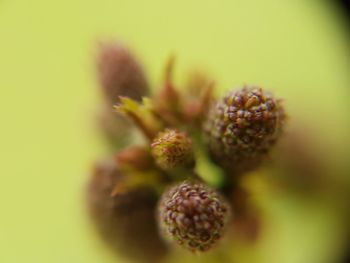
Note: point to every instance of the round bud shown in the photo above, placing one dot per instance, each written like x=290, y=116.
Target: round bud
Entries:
x=242, y=127
x=172, y=149
x=120, y=73
x=193, y=215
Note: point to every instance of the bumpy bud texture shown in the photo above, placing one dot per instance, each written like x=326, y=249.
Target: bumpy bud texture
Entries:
x=243, y=126
x=120, y=74
x=172, y=149
x=193, y=215
x=126, y=221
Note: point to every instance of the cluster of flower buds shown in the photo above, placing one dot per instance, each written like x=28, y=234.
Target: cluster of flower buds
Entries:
x=150, y=196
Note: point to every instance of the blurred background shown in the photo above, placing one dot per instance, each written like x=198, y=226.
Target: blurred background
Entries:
x=49, y=96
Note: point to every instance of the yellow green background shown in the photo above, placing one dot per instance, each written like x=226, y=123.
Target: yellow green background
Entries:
x=49, y=95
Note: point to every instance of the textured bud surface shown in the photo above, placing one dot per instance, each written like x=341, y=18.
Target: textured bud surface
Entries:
x=120, y=74
x=193, y=215
x=172, y=149
x=243, y=126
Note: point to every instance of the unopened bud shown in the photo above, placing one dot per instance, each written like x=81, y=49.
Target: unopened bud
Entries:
x=173, y=149
x=243, y=126
x=125, y=221
x=193, y=215
x=120, y=73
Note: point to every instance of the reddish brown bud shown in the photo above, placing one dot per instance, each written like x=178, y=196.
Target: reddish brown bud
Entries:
x=243, y=126
x=120, y=74
x=193, y=215
x=126, y=221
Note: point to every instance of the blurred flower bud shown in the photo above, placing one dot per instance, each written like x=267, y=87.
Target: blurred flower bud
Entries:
x=242, y=127
x=114, y=129
x=136, y=157
x=173, y=149
x=127, y=221
x=119, y=73
x=299, y=161
x=193, y=215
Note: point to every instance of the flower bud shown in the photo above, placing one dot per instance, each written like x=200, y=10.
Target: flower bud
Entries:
x=126, y=222
x=173, y=149
x=242, y=127
x=120, y=74
x=298, y=162
x=193, y=215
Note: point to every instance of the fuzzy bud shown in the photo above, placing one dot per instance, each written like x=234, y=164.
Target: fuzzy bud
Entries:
x=120, y=73
x=173, y=149
x=193, y=215
x=126, y=221
x=242, y=127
